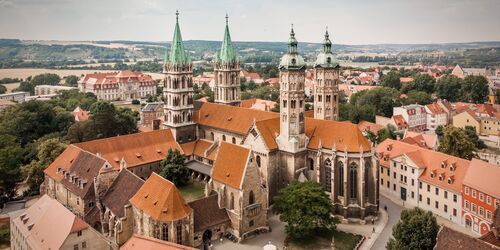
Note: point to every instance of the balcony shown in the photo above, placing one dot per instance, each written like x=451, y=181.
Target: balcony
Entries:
x=252, y=210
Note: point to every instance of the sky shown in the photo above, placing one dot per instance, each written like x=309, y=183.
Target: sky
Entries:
x=349, y=21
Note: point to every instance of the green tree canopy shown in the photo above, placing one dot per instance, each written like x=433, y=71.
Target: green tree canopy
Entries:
x=71, y=81
x=421, y=82
x=448, y=87
x=416, y=230
x=475, y=89
x=391, y=80
x=3, y=89
x=305, y=207
x=173, y=168
x=415, y=96
x=456, y=142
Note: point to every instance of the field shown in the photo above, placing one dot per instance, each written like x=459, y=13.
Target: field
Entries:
x=192, y=190
x=24, y=73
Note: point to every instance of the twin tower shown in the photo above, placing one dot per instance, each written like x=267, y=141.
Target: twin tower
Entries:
x=178, y=85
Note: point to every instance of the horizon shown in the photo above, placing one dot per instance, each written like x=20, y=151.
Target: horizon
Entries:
x=360, y=23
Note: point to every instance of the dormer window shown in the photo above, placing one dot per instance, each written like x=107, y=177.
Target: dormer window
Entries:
x=441, y=177
x=443, y=165
x=450, y=180
x=432, y=174
x=453, y=167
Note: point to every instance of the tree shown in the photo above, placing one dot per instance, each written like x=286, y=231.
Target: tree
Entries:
x=456, y=142
x=305, y=207
x=381, y=100
x=391, y=80
x=406, y=235
x=3, y=89
x=386, y=133
x=475, y=89
x=42, y=79
x=10, y=160
x=474, y=138
x=420, y=97
x=421, y=82
x=81, y=131
x=448, y=87
x=439, y=131
x=173, y=169
x=71, y=81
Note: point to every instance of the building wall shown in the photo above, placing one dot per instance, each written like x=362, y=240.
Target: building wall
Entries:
x=478, y=209
x=490, y=126
x=120, y=91
x=435, y=120
x=148, y=226
x=433, y=199
x=214, y=134
x=88, y=239
x=415, y=115
x=465, y=119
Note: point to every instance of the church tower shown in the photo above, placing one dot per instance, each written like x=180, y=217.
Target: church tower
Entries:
x=292, y=67
x=325, y=87
x=178, y=89
x=227, y=72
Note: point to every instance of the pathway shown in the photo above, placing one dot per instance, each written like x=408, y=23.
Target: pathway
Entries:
x=393, y=212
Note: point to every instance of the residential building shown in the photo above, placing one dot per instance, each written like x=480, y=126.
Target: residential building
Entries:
x=436, y=116
x=493, y=236
x=463, y=72
x=423, y=178
x=428, y=141
x=152, y=115
x=414, y=115
x=258, y=104
x=15, y=96
x=51, y=89
x=251, y=76
x=483, y=117
x=481, y=195
x=49, y=225
x=121, y=85
x=365, y=126
x=80, y=114
x=449, y=239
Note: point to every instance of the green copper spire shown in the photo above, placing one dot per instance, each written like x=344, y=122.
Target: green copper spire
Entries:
x=227, y=52
x=327, y=44
x=178, y=55
x=292, y=42
x=292, y=59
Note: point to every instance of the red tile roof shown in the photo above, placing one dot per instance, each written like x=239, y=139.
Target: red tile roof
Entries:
x=435, y=108
x=370, y=126
x=160, y=199
x=199, y=148
x=230, y=164
x=111, y=79
x=484, y=177
x=147, y=243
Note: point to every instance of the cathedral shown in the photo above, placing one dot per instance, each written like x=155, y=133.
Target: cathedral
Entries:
x=242, y=156
x=290, y=145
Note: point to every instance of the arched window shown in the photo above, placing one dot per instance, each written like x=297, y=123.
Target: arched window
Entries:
x=164, y=232
x=340, y=167
x=179, y=233
x=311, y=164
x=224, y=137
x=251, y=198
x=328, y=175
x=353, y=180
x=212, y=136
x=258, y=160
x=157, y=231
x=231, y=201
x=233, y=140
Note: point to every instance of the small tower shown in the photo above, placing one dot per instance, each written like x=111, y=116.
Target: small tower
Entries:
x=227, y=72
x=325, y=87
x=292, y=67
x=178, y=89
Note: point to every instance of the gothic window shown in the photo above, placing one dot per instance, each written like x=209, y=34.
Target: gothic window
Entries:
x=311, y=164
x=353, y=180
x=164, y=232
x=328, y=175
x=231, y=202
x=233, y=140
x=284, y=103
x=340, y=183
x=179, y=233
x=157, y=231
x=292, y=104
x=367, y=170
x=258, y=160
x=251, y=198
x=212, y=136
x=320, y=98
x=328, y=97
x=301, y=103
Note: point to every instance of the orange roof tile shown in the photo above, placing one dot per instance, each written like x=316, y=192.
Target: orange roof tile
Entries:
x=342, y=135
x=160, y=199
x=234, y=119
x=400, y=121
x=484, y=177
x=372, y=127
x=137, y=149
x=435, y=108
x=230, y=164
x=269, y=130
x=430, y=160
x=199, y=148
x=147, y=243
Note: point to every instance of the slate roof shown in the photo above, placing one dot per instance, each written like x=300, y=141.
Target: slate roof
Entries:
x=207, y=213
x=448, y=239
x=119, y=193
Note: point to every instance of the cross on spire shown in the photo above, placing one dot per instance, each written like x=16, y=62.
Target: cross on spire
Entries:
x=177, y=15
x=227, y=17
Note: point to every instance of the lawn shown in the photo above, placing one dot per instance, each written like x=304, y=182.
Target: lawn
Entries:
x=192, y=190
x=323, y=239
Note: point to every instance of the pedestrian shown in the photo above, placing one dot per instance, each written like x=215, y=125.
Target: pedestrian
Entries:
x=373, y=221
x=373, y=229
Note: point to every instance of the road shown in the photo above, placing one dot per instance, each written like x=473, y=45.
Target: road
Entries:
x=394, y=212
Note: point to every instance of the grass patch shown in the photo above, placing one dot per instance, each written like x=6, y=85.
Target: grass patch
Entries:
x=323, y=238
x=192, y=190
